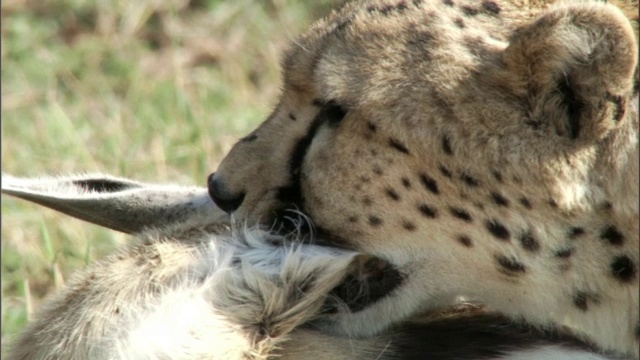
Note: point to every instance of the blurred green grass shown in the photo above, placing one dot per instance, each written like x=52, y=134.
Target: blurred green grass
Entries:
x=157, y=91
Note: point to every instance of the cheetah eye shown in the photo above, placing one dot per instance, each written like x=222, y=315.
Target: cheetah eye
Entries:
x=332, y=113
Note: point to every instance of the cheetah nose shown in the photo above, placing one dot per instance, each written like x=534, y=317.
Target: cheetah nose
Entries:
x=225, y=199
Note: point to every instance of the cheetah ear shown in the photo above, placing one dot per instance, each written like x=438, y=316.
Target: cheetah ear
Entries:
x=575, y=67
x=119, y=204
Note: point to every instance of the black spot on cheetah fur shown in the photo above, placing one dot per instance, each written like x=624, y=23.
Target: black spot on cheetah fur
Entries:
x=408, y=225
x=575, y=232
x=367, y=201
x=340, y=25
x=392, y=194
x=448, y=2
x=446, y=145
x=387, y=9
x=292, y=117
x=491, y=7
x=459, y=23
x=377, y=170
x=464, y=240
x=510, y=266
x=469, y=11
x=526, y=203
x=421, y=40
x=497, y=175
x=372, y=127
x=564, y=253
x=428, y=211
x=444, y=171
x=499, y=199
x=397, y=145
x=429, y=183
x=529, y=242
x=612, y=235
x=469, y=180
x=374, y=221
x=352, y=219
x=406, y=183
x=498, y=230
x=623, y=268
x=581, y=300
x=461, y=214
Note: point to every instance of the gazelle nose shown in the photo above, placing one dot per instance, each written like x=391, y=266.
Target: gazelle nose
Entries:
x=225, y=199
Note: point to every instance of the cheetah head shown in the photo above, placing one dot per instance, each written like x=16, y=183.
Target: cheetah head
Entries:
x=469, y=144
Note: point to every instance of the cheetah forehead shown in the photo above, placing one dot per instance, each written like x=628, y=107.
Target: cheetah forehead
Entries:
x=475, y=78
x=361, y=52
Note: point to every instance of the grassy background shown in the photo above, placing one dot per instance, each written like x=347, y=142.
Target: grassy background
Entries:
x=152, y=90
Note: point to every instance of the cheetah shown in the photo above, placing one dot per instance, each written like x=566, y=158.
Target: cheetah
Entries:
x=484, y=149
x=187, y=287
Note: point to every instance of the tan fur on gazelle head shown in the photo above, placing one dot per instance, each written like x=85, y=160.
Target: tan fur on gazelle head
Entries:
x=195, y=289
x=486, y=149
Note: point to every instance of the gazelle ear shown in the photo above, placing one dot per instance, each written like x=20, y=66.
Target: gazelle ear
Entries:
x=574, y=68
x=119, y=204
